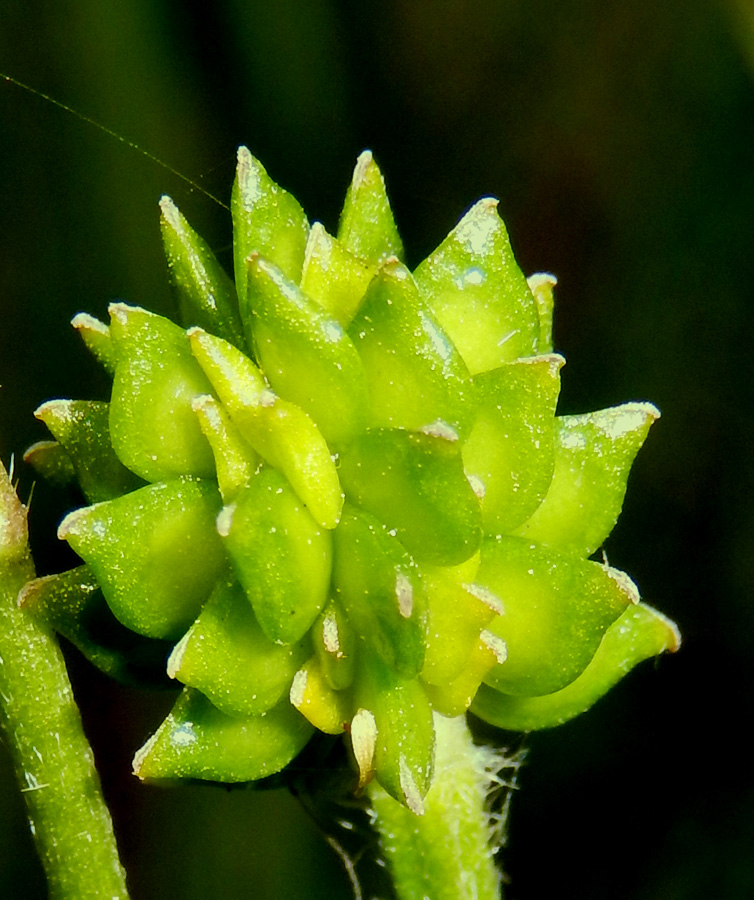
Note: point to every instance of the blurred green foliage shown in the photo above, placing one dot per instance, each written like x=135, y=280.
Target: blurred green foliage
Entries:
x=619, y=140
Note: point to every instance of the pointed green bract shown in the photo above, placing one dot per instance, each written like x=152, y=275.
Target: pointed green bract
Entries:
x=367, y=227
x=334, y=277
x=556, y=609
x=154, y=552
x=437, y=517
x=198, y=741
x=509, y=454
x=593, y=456
x=415, y=375
x=153, y=428
x=72, y=604
x=281, y=556
x=206, y=295
x=235, y=460
x=266, y=220
x=226, y=655
x=305, y=354
x=51, y=462
x=281, y=432
x=96, y=336
x=479, y=295
x=638, y=634
x=405, y=739
x=378, y=586
x=82, y=427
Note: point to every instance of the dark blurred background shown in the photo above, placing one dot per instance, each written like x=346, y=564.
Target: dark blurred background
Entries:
x=618, y=137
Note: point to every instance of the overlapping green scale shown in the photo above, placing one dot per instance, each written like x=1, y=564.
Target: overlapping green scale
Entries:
x=338, y=497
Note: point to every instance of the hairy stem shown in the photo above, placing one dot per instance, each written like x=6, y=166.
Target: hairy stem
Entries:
x=447, y=853
x=42, y=727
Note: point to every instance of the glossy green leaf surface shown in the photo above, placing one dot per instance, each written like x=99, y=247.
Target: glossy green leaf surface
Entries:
x=235, y=459
x=638, y=634
x=378, y=585
x=51, y=462
x=72, y=604
x=556, y=609
x=82, y=428
x=405, y=738
x=226, y=655
x=281, y=556
x=478, y=293
x=266, y=220
x=509, y=454
x=334, y=277
x=153, y=427
x=593, y=456
x=305, y=354
x=281, y=432
x=198, y=741
x=96, y=336
x=437, y=517
x=206, y=295
x=155, y=553
x=415, y=375
x=367, y=227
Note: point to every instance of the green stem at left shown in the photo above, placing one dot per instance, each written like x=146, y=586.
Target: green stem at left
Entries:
x=42, y=727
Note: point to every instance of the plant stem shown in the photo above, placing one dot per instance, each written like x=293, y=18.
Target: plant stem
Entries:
x=42, y=727
x=448, y=853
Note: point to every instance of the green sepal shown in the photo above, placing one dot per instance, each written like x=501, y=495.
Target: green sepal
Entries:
x=266, y=220
x=335, y=645
x=437, y=517
x=51, y=462
x=457, y=612
x=333, y=277
x=305, y=355
x=96, y=336
x=206, y=295
x=416, y=376
x=509, y=453
x=640, y=633
x=82, y=427
x=542, y=286
x=226, y=655
x=235, y=459
x=404, y=745
x=72, y=604
x=367, y=227
x=478, y=293
x=281, y=556
x=281, y=432
x=379, y=587
x=593, y=457
x=198, y=741
x=153, y=428
x=155, y=553
x=556, y=609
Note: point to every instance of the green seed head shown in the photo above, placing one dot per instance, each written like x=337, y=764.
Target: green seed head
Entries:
x=338, y=497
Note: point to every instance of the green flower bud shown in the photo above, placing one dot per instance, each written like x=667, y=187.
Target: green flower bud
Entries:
x=376, y=520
